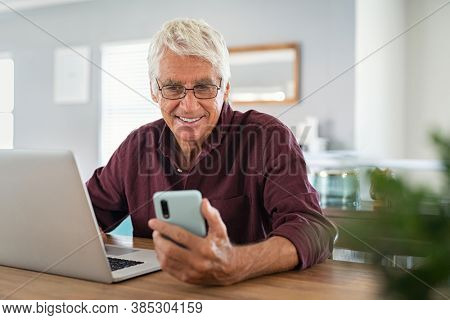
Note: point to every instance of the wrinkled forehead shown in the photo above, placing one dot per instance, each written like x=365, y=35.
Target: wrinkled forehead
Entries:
x=179, y=69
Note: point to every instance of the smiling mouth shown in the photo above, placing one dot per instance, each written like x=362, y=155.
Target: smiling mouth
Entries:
x=189, y=120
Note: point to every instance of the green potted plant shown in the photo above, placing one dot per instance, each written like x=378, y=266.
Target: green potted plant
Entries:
x=420, y=219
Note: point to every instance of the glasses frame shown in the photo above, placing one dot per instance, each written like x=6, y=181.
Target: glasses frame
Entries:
x=191, y=89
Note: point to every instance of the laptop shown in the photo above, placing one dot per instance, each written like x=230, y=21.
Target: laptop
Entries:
x=48, y=223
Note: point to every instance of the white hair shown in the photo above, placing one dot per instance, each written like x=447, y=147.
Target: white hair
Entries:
x=189, y=37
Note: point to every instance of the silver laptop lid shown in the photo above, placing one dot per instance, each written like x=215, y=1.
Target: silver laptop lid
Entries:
x=47, y=222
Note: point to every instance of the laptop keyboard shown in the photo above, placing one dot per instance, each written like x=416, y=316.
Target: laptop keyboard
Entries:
x=117, y=264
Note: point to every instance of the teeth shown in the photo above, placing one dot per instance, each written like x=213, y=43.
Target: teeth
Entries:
x=189, y=119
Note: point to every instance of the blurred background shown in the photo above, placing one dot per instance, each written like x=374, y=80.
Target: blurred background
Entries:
x=371, y=79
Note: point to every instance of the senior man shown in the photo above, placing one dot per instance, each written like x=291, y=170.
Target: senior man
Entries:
x=263, y=216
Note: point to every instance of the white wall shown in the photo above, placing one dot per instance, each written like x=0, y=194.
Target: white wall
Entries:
x=324, y=29
x=427, y=77
x=379, y=78
x=401, y=91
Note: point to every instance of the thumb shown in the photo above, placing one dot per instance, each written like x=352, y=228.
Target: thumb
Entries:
x=212, y=216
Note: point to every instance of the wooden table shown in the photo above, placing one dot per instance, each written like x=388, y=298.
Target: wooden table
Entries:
x=329, y=280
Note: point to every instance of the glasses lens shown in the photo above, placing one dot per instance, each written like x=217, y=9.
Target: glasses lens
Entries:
x=173, y=92
x=205, y=91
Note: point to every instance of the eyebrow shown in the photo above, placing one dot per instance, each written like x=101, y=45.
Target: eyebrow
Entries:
x=204, y=81
x=172, y=82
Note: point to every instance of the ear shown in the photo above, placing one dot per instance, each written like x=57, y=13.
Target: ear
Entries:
x=227, y=91
x=152, y=93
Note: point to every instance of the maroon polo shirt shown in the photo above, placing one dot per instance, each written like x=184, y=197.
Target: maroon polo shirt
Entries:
x=250, y=168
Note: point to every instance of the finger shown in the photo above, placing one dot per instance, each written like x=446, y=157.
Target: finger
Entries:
x=177, y=259
x=215, y=222
x=188, y=276
x=166, y=250
x=176, y=233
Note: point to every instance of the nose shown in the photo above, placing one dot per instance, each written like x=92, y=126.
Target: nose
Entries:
x=189, y=102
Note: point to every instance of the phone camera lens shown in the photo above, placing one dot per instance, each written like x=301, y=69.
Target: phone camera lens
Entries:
x=165, y=209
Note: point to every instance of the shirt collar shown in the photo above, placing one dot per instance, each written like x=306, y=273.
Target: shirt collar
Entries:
x=167, y=141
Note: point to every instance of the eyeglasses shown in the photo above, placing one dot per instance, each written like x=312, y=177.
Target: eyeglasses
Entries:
x=201, y=91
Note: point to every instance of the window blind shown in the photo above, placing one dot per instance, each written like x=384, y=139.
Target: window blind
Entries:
x=126, y=100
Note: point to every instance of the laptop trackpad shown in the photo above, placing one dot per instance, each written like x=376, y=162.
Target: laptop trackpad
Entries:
x=118, y=251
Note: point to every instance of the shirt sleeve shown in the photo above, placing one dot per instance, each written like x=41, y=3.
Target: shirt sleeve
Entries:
x=106, y=190
x=292, y=202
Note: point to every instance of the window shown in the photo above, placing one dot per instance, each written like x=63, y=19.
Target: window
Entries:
x=6, y=103
x=125, y=95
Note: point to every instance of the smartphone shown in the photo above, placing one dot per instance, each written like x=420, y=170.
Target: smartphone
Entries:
x=181, y=208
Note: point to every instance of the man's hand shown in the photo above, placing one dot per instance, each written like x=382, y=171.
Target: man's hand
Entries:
x=210, y=260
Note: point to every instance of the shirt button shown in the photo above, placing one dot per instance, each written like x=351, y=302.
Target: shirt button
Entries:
x=179, y=170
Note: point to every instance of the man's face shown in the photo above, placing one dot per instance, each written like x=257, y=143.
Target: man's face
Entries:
x=190, y=119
